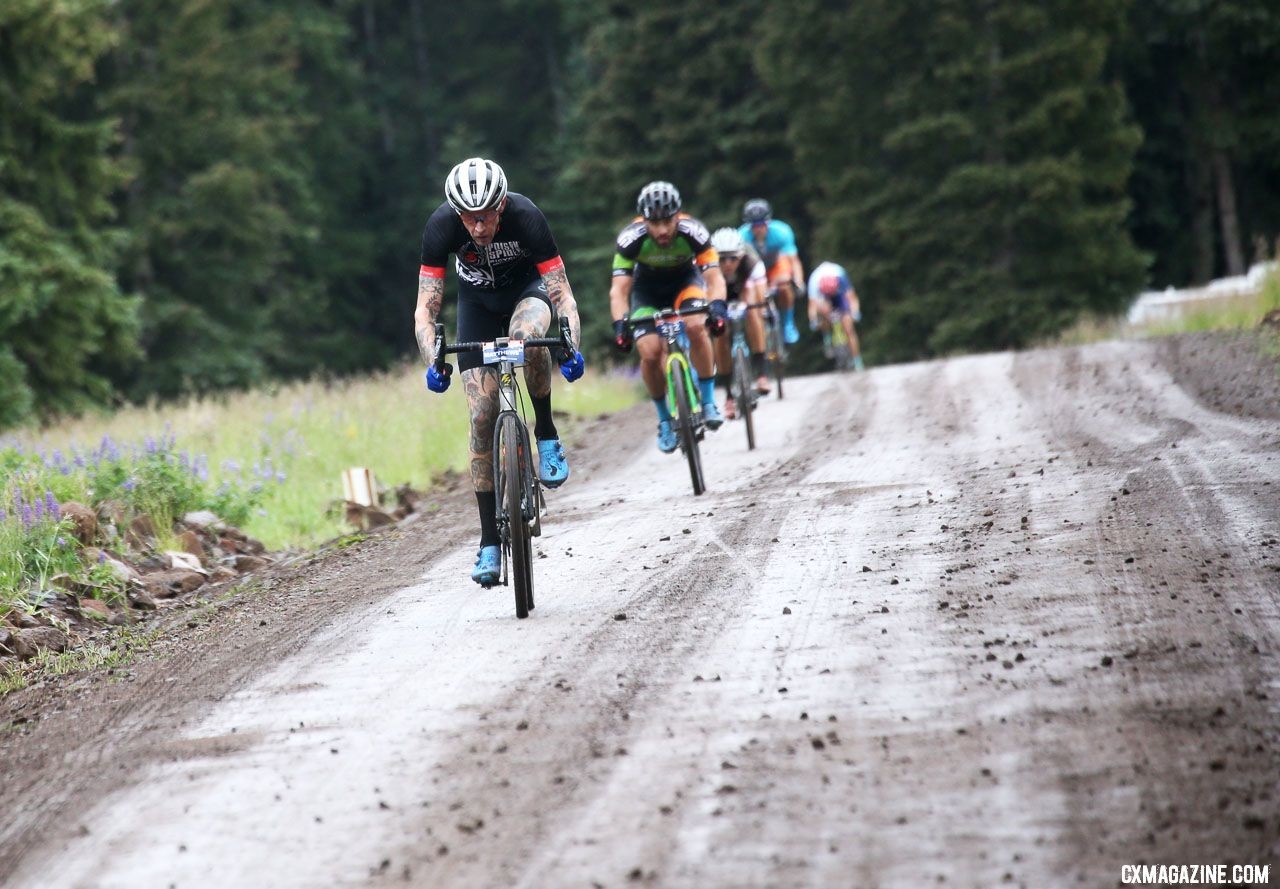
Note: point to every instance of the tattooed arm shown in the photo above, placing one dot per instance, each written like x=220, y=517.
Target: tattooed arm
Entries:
x=430, y=299
x=557, y=284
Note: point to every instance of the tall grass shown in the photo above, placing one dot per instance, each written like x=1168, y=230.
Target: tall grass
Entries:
x=1239, y=312
x=290, y=444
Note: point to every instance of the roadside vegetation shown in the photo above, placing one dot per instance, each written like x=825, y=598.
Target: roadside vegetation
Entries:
x=268, y=462
x=1241, y=312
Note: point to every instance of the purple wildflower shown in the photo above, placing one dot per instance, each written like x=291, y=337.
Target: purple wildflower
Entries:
x=3, y=515
x=38, y=509
x=28, y=518
x=151, y=445
x=280, y=477
x=51, y=506
x=102, y=557
x=130, y=483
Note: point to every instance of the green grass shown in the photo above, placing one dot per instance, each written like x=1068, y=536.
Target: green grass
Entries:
x=296, y=440
x=117, y=651
x=1242, y=312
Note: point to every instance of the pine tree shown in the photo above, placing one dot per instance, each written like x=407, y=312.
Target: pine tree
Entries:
x=1200, y=77
x=63, y=320
x=670, y=91
x=222, y=204
x=971, y=169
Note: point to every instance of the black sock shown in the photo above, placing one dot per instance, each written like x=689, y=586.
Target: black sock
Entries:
x=723, y=381
x=757, y=363
x=487, y=501
x=544, y=427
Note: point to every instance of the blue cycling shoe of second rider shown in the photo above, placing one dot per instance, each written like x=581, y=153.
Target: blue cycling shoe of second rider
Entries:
x=667, y=441
x=488, y=566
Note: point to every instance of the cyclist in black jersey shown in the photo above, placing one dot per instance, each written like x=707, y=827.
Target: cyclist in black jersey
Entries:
x=511, y=282
x=665, y=260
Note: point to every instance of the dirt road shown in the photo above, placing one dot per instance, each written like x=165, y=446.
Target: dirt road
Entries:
x=1001, y=620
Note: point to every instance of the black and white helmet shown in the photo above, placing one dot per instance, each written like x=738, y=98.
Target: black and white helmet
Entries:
x=756, y=210
x=475, y=185
x=658, y=200
x=728, y=242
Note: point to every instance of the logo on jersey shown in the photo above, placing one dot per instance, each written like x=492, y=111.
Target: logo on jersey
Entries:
x=630, y=235
x=695, y=230
x=482, y=266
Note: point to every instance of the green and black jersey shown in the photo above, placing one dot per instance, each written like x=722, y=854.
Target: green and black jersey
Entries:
x=642, y=256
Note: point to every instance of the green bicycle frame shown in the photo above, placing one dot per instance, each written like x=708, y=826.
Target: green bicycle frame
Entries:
x=678, y=364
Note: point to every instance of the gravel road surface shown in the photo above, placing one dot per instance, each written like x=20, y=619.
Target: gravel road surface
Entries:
x=1002, y=620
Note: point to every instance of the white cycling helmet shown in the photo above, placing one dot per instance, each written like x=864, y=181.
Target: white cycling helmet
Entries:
x=475, y=185
x=728, y=242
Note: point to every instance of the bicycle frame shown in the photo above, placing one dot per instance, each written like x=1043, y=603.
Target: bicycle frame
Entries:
x=669, y=324
x=507, y=354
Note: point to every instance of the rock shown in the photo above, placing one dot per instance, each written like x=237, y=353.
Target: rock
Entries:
x=407, y=498
x=174, y=582
x=376, y=518
x=246, y=563
x=84, y=519
x=32, y=641
x=192, y=544
x=113, y=512
x=222, y=572
x=8, y=647
x=203, y=519
x=366, y=518
x=95, y=608
x=184, y=560
x=120, y=569
x=141, y=533
x=72, y=584
x=142, y=600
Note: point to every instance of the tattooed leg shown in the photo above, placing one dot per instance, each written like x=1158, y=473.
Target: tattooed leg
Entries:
x=481, y=385
x=532, y=318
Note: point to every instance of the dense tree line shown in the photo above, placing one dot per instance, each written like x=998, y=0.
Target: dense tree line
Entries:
x=201, y=194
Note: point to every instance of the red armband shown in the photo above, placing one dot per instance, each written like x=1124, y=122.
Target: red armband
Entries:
x=554, y=264
x=431, y=271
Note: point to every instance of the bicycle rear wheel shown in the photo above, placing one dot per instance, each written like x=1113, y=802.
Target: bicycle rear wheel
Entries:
x=512, y=448
x=746, y=396
x=688, y=434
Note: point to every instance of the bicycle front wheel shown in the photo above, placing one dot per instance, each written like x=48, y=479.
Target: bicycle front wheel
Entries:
x=512, y=449
x=746, y=396
x=688, y=433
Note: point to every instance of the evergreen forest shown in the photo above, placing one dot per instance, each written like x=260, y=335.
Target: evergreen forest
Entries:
x=199, y=195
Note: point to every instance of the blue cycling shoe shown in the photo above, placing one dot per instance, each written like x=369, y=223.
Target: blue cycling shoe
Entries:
x=488, y=566
x=711, y=416
x=789, y=332
x=553, y=468
x=667, y=441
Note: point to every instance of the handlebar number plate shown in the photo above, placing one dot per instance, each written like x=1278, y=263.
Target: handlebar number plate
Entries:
x=513, y=351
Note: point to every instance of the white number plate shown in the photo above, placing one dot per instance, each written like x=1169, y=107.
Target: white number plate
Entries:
x=512, y=351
